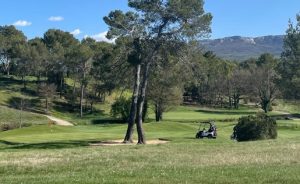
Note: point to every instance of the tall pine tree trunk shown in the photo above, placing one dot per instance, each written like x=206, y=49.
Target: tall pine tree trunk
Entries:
x=24, y=82
x=139, y=123
x=73, y=100
x=8, y=68
x=91, y=106
x=81, y=99
x=230, y=101
x=82, y=93
x=61, y=86
x=47, y=105
x=39, y=77
x=133, y=109
x=236, y=100
x=158, y=112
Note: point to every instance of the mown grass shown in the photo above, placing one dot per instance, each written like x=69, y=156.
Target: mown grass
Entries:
x=153, y=164
x=54, y=154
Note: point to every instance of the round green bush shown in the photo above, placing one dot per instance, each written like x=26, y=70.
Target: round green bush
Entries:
x=258, y=127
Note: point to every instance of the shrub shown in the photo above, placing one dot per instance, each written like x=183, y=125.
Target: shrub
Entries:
x=270, y=108
x=255, y=128
x=11, y=126
x=274, y=104
x=121, y=108
x=8, y=126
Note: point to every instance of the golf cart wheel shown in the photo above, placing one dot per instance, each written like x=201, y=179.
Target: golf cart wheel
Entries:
x=198, y=135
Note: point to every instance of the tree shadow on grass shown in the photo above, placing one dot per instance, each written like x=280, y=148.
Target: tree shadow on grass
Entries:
x=225, y=112
x=31, y=105
x=13, y=84
x=45, y=145
x=66, y=107
x=63, y=107
x=286, y=116
x=107, y=121
x=29, y=92
x=6, y=82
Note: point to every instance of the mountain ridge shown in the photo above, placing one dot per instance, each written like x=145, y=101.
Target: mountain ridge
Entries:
x=241, y=48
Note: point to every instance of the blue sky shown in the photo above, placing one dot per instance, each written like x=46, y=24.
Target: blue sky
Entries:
x=84, y=17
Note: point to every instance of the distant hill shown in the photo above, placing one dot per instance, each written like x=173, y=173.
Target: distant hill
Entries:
x=241, y=48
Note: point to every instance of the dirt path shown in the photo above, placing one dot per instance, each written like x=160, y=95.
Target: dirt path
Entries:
x=59, y=121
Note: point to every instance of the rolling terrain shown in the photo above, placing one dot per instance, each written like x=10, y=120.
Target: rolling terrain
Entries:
x=47, y=153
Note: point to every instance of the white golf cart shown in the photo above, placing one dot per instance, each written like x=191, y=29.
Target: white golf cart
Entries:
x=211, y=133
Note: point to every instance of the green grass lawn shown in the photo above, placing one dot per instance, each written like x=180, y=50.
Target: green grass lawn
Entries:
x=45, y=153
x=54, y=154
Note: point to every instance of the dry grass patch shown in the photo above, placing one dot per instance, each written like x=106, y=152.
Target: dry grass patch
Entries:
x=120, y=143
x=32, y=161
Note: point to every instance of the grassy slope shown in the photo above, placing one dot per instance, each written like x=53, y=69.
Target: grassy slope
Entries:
x=10, y=95
x=9, y=115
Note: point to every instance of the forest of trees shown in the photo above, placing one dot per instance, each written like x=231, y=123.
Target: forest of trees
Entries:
x=156, y=56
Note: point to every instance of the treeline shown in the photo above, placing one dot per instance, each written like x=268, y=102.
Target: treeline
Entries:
x=221, y=83
x=225, y=83
x=93, y=66
x=182, y=72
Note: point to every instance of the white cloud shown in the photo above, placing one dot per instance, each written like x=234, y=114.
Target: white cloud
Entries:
x=101, y=37
x=76, y=32
x=22, y=23
x=56, y=18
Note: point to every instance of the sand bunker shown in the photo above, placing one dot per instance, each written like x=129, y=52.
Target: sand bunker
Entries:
x=120, y=143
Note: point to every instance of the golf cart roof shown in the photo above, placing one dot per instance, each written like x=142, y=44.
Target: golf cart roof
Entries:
x=210, y=123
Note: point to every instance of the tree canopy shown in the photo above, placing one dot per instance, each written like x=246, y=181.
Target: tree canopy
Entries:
x=150, y=25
